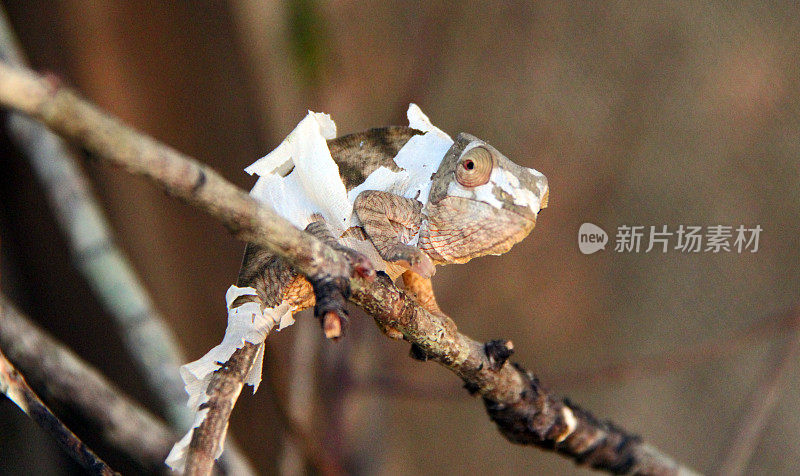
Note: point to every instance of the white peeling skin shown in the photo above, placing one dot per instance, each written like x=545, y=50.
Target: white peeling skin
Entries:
x=314, y=186
x=419, y=158
x=483, y=193
x=314, y=124
x=246, y=323
x=177, y=456
x=540, y=184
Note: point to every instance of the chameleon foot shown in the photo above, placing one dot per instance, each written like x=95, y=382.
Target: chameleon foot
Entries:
x=412, y=258
x=361, y=264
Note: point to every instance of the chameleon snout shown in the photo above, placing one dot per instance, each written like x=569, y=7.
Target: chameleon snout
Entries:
x=544, y=191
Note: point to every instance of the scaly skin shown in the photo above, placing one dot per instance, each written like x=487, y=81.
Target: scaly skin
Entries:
x=454, y=226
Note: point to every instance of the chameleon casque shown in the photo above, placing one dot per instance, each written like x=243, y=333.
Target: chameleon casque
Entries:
x=414, y=199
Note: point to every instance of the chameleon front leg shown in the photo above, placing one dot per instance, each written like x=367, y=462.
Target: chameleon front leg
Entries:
x=390, y=221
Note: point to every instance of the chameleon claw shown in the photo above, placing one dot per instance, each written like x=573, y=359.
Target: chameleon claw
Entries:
x=363, y=268
x=424, y=266
x=415, y=260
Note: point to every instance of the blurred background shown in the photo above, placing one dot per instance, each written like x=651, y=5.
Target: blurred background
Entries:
x=639, y=113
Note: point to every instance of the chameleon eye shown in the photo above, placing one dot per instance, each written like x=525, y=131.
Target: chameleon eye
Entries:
x=475, y=167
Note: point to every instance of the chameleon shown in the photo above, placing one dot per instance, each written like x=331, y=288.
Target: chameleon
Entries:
x=407, y=198
x=415, y=199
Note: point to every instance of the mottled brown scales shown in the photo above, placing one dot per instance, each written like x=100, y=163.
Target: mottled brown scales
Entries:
x=390, y=221
x=422, y=289
x=360, y=154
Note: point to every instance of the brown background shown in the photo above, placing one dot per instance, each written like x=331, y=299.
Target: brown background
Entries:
x=642, y=113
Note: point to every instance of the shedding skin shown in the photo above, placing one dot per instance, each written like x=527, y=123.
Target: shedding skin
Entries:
x=450, y=229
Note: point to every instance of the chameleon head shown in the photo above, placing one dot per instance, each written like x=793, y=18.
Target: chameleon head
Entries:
x=480, y=203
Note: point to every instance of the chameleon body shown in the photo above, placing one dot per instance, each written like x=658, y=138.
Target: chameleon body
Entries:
x=409, y=198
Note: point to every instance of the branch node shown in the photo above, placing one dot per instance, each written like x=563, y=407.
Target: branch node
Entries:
x=53, y=81
x=330, y=294
x=498, y=351
x=200, y=181
x=332, y=325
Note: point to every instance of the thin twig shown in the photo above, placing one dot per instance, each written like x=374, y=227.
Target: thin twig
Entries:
x=311, y=449
x=13, y=385
x=763, y=402
x=65, y=381
x=224, y=390
x=714, y=348
x=523, y=409
x=300, y=447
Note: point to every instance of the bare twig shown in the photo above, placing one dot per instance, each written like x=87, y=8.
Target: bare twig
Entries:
x=714, y=348
x=148, y=339
x=762, y=404
x=13, y=385
x=223, y=392
x=523, y=409
x=64, y=381
x=296, y=408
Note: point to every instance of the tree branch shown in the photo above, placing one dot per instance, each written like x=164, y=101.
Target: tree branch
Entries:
x=523, y=409
x=46, y=100
x=65, y=381
x=148, y=339
x=224, y=390
x=716, y=347
x=13, y=385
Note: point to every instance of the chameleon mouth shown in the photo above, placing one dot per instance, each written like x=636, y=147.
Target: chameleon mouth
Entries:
x=524, y=212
